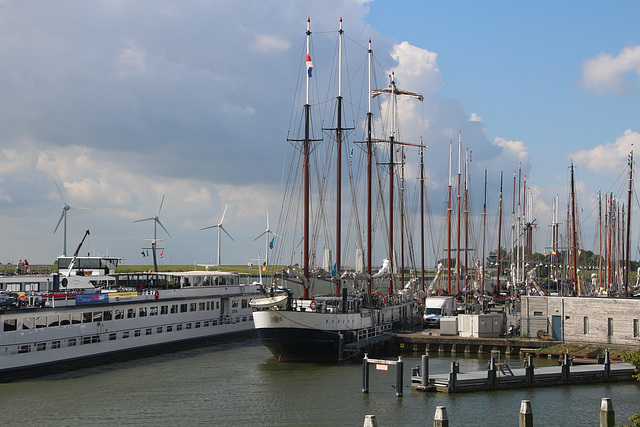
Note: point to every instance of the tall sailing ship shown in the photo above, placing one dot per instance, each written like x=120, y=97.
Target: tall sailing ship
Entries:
x=353, y=315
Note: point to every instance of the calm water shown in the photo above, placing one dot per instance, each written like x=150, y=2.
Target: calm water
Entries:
x=241, y=384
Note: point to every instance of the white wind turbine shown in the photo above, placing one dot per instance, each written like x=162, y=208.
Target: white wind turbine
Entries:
x=156, y=221
x=63, y=216
x=220, y=227
x=266, y=233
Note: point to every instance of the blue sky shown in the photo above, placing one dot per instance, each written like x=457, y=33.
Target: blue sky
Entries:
x=122, y=102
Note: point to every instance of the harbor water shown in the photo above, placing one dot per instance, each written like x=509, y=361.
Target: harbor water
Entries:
x=240, y=383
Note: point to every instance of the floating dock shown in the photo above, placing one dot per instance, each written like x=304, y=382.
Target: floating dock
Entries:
x=500, y=376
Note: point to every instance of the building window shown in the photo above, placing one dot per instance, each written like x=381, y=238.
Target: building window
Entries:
x=41, y=346
x=610, y=327
x=159, y=330
x=112, y=336
x=131, y=313
x=164, y=309
x=636, y=328
x=169, y=328
x=183, y=308
x=153, y=311
x=136, y=333
x=143, y=311
x=147, y=331
x=537, y=313
x=125, y=334
x=55, y=344
x=586, y=325
x=178, y=327
x=71, y=342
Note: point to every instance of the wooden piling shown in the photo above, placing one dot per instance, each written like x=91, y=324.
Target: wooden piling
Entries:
x=370, y=421
x=607, y=414
x=440, y=419
x=526, y=414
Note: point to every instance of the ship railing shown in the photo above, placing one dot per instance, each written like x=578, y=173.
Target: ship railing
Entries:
x=373, y=332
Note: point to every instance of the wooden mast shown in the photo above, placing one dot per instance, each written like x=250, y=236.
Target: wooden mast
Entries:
x=422, y=216
x=628, y=253
x=449, y=222
x=484, y=231
x=574, y=233
x=339, y=167
x=498, y=268
x=458, y=196
x=306, y=169
x=369, y=177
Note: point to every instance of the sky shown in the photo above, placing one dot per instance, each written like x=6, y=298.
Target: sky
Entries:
x=125, y=103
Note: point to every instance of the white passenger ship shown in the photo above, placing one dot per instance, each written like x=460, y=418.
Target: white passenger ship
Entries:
x=49, y=324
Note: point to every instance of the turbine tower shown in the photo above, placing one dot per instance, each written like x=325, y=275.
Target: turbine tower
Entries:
x=220, y=227
x=63, y=216
x=266, y=233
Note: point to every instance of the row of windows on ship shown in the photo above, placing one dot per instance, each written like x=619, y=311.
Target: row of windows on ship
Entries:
x=92, y=339
x=38, y=322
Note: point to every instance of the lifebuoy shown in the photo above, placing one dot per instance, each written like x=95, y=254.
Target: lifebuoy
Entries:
x=157, y=294
x=313, y=305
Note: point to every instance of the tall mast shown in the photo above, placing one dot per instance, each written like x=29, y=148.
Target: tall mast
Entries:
x=628, y=253
x=574, y=236
x=339, y=166
x=449, y=222
x=402, y=216
x=422, y=216
x=466, y=219
x=600, y=239
x=391, y=177
x=458, y=219
x=306, y=165
x=499, y=235
x=369, y=177
x=484, y=230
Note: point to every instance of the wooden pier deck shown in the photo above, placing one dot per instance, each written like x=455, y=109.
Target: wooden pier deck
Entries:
x=499, y=376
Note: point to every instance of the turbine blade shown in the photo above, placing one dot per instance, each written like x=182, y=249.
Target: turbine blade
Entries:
x=59, y=221
x=225, y=231
x=158, y=221
x=146, y=219
x=60, y=192
x=263, y=233
x=161, y=203
x=224, y=213
x=211, y=226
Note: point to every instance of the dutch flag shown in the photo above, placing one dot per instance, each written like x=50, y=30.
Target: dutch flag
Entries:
x=309, y=64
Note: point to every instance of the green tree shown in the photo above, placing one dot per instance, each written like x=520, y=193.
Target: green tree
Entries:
x=633, y=357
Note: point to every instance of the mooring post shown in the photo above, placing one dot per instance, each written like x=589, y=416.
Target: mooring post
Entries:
x=370, y=421
x=526, y=415
x=453, y=377
x=425, y=370
x=566, y=373
x=491, y=373
x=607, y=414
x=440, y=418
x=607, y=366
x=529, y=370
x=365, y=374
x=399, y=375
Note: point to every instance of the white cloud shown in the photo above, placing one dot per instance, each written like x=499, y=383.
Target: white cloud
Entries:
x=513, y=151
x=132, y=60
x=609, y=157
x=475, y=118
x=607, y=73
x=269, y=42
x=417, y=67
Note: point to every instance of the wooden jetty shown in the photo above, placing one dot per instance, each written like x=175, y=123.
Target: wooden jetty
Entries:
x=499, y=375
x=432, y=342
